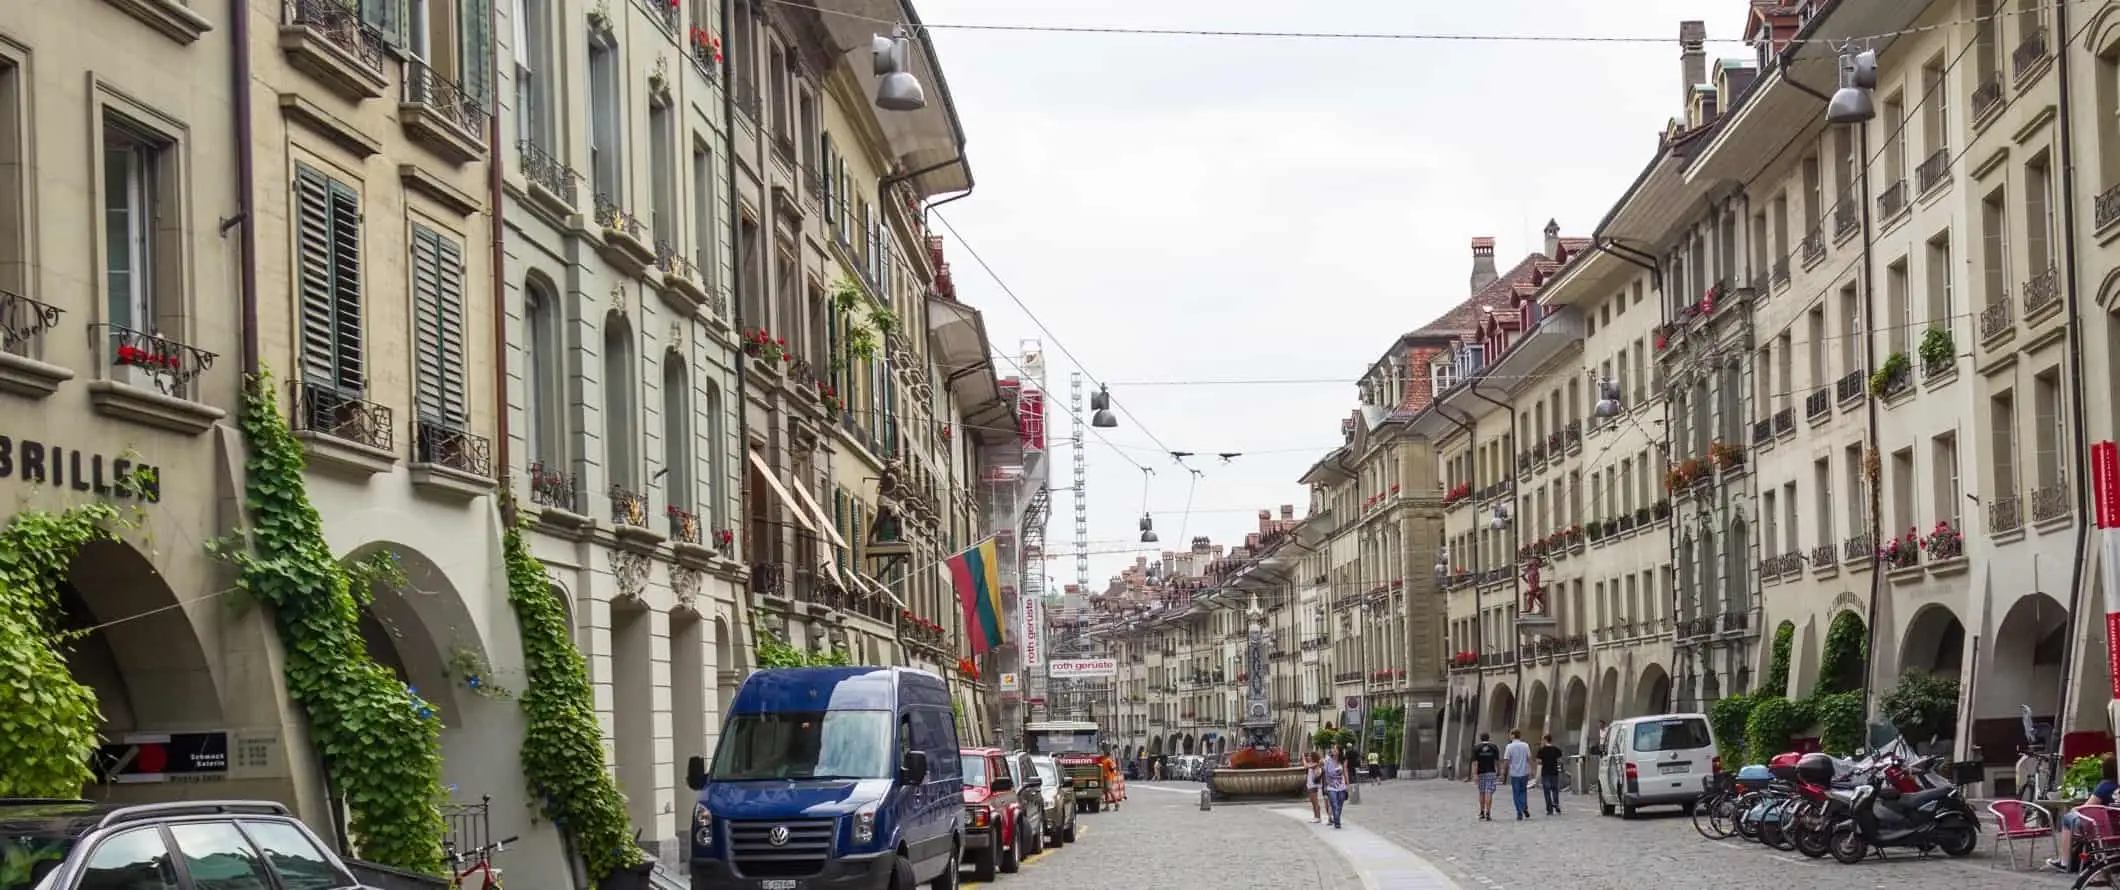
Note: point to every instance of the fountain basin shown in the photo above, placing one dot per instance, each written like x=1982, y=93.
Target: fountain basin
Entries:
x=1284, y=781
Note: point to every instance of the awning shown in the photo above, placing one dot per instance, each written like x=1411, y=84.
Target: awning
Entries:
x=830, y=531
x=781, y=491
x=875, y=587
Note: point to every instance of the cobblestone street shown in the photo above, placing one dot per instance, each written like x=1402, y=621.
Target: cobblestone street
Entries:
x=1162, y=839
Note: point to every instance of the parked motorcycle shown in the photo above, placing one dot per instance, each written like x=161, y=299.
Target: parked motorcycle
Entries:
x=1881, y=815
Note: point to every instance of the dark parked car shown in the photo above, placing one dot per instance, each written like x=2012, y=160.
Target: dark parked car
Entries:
x=65, y=844
x=1003, y=820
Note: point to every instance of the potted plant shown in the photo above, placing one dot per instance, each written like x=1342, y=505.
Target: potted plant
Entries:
x=1939, y=353
x=1944, y=542
x=1891, y=377
x=1726, y=455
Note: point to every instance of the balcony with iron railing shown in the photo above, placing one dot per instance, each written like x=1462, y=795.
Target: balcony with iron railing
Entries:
x=1847, y=217
x=327, y=40
x=1850, y=387
x=1824, y=557
x=625, y=238
x=1814, y=246
x=2042, y=293
x=553, y=488
x=438, y=113
x=2051, y=502
x=342, y=429
x=1998, y=320
x=1935, y=170
x=548, y=174
x=2005, y=514
x=1781, y=270
x=2026, y=61
x=1987, y=97
x=447, y=446
x=23, y=323
x=1818, y=403
x=1892, y=200
x=1858, y=549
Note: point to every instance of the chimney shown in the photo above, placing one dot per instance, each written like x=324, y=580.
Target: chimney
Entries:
x=1483, y=273
x=1553, y=239
x=1692, y=60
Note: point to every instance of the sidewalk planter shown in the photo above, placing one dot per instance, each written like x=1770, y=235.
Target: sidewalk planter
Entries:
x=634, y=878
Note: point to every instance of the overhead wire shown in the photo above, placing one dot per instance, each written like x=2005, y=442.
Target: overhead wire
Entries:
x=1348, y=35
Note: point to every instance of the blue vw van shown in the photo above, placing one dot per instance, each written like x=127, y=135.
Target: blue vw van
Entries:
x=835, y=778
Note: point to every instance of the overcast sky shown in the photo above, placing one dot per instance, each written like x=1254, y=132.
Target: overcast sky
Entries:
x=1185, y=209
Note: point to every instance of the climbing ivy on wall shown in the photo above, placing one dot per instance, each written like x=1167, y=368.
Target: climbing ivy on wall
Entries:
x=1846, y=655
x=775, y=651
x=563, y=751
x=48, y=720
x=1778, y=659
x=1728, y=717
x=380, y=742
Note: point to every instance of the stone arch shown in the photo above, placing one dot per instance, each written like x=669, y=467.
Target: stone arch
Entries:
x=2024, y=666
x=1575, y=709
x=1501, y=708
x=1190, y=743
x=141, y=655
x=1608, y=700
x=1934, y=642
x=1533, y=719
x=418, y=626
x=1652, y=691
x=1155, y=746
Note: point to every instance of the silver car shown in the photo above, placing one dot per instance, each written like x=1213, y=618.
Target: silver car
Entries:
x=1056, y=790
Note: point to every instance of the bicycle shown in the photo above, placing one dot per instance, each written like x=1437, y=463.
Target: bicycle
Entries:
x=1718, y=804
x=481, y=859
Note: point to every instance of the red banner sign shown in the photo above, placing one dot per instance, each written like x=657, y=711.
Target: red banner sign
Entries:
x=2105, y=483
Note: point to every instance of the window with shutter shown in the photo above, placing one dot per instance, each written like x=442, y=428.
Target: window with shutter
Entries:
x=328, y=281
x=476, y=32
x=438, y=301
x=388, y=18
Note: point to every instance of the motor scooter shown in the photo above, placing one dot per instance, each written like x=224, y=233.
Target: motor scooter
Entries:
x=1880, y=815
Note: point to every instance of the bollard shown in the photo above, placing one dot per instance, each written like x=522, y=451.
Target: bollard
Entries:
x=1207, y=800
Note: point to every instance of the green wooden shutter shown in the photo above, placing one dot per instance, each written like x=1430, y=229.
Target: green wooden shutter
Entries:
x=388, y=18
x=313, y=277
x=476, y=59
x=346, y=288
x=438, y=300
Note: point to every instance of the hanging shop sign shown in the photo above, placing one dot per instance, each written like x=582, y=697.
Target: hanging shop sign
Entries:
x=111, y=476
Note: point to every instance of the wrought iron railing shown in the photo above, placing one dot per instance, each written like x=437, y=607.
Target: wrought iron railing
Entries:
x=672, y=261
x=1784, y=420
x=2050, y=502
x=170, y=365
x=324, y=410
x=553, y=487
x=1996, y=318
x=1858, y=548
x=1845, y=217
x=684, y=525
x=445, y=445
x=547, y=172
x=1892, y=200
x=628, y=507
x=425, y=88
x=1849, y=387
x=2106, y=207
x=338, y=23
x=1818, y=402
x=1824, y=555
x=1762, y=431
x=769, y=578
x=2030, y=51
x=2006, y=513
x=23, y=319
x=615, y=218
x=1781, y=270
x=2041, y=291
x=1814, y=246
x=1987, y=96
x=1934, y=170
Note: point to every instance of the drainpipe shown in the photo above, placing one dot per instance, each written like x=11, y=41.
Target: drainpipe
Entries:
x=246, y=179
x=1516, y=575
x=499, y=259
x=737, y=282
x=2085, y=508
x=1876, y=418
x=1470, y=426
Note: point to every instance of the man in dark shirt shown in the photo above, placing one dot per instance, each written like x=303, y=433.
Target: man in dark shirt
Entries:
x=1487, y=764
x=1549, y=774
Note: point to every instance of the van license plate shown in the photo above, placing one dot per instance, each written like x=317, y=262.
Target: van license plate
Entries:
x=779, y=884
x=1669, y=768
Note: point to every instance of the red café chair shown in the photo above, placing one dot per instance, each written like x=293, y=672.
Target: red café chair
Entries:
x=2015, y=821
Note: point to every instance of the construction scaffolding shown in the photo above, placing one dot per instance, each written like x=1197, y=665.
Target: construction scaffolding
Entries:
x=1014, y=485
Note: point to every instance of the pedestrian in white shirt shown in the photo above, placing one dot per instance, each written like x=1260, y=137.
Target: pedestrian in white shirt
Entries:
x=1518, y=756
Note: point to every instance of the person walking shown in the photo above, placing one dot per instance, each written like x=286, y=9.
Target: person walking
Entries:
x=1332, y=777
x=1549, y=774
x=1310, y=786
x=1518, y=756
x=1486, y=763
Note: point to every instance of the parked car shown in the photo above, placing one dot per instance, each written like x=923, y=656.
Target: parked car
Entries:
x=1003, y=821
x=1656, y=761
x=48, y=844
x=839, y=776
x=1057, y=789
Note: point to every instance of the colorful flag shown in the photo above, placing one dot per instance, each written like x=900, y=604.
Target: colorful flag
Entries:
x=977, y=576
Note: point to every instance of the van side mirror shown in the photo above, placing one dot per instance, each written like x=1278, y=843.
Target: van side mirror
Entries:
x=695, y=772
x=913, y=768
x=1003, y=783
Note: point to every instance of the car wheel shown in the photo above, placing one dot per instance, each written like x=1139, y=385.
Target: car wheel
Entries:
x=1012, y=853
x=901, y=873
x=1033, y=841
x=948, y=879
x=1068, y=834
x=985, y=862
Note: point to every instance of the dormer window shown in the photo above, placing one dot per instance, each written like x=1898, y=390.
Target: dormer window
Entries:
x=1445, y=376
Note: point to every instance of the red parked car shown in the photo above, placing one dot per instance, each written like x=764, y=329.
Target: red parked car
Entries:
x=1000, y=831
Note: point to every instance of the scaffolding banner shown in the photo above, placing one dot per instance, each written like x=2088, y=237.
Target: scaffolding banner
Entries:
x=1033, y=636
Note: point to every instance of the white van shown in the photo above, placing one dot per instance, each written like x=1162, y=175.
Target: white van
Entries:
x=1655, y=761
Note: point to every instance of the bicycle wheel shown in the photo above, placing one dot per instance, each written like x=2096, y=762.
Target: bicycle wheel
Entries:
x=1709, y=817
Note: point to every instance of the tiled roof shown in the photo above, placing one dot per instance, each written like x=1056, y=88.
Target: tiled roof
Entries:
x=1465, y=317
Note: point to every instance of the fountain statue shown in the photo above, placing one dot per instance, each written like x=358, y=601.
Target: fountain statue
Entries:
x=1259, y=769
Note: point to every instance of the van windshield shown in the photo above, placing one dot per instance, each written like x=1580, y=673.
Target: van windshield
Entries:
x=1675, y=734
x=1061, y=742
x=805, y=745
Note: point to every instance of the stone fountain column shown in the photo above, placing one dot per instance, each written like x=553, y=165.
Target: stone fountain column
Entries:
x=1258, y=725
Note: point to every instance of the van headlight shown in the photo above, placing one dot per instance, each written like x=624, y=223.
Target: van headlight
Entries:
x=702, y=825
x=865, y=826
